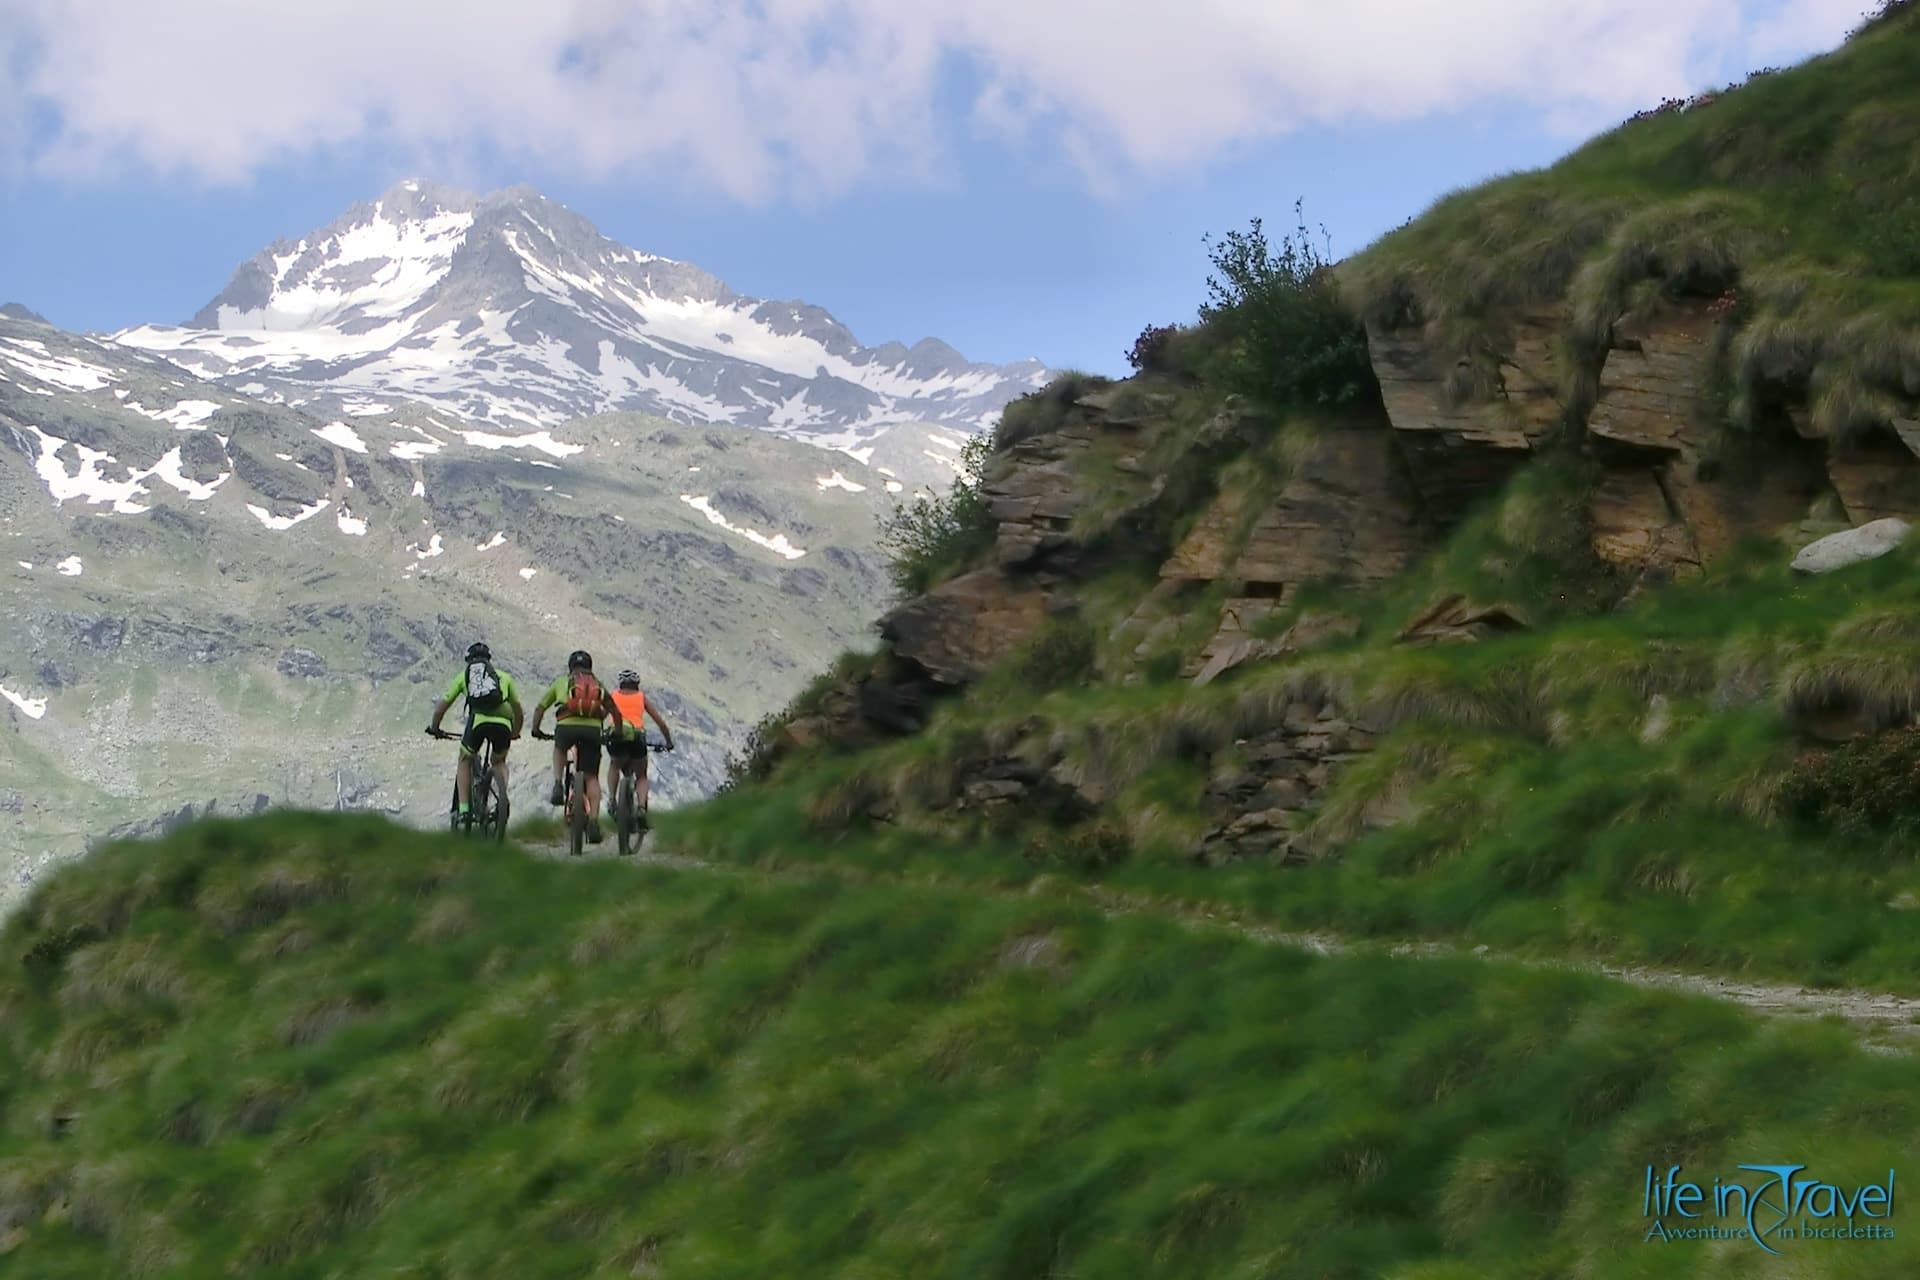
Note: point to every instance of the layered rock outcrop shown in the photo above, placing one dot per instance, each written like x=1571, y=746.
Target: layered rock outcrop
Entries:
x=1460, y=447
x=1264, y=792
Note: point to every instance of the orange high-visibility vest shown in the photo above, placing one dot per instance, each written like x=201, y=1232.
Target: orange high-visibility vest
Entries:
x=632, y=704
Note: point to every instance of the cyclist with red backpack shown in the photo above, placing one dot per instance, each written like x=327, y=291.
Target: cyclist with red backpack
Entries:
x=581, y=706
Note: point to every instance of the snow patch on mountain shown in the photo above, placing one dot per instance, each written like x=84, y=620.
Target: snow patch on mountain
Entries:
x=283, y=523
x=33, y=359
x=778, y=543
x=342, y=435
x=186, y=415
x=31, y=708
x=541, y=440
x=91, y=483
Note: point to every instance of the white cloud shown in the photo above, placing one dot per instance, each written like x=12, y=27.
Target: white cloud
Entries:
x=807, y=96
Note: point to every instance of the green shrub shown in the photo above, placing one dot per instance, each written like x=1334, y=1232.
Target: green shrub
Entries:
x=1870, y=786
x=1088, y=847
x=930, y=539
x=1289, y=340
x=1061, y=656
x=758, y=753
x=1150, y=351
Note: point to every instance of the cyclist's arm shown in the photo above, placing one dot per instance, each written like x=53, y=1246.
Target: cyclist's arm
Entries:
x=439, y=711
x=519, y=716
x=540, y=708
x=608, y=707
x=653, y=714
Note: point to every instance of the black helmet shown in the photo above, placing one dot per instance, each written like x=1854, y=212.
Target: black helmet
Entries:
x=579, y=660
x=478, y=652
x=629, y=679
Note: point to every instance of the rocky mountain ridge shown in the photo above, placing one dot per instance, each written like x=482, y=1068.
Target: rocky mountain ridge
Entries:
x=511, y=310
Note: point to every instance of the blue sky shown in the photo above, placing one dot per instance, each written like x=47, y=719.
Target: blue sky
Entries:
x=982, y=179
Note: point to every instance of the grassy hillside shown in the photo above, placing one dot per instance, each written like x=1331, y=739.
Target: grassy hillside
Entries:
x=1795, y=197
x=1632, y=772
x=298, y=1046
x=1517, y=797
x=891, y=1031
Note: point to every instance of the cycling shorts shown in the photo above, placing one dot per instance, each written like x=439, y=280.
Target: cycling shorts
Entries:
x=628, y=749
x=490, y=731
x=584, y=736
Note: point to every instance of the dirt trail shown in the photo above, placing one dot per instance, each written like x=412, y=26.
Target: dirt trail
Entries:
x=1887, y=1023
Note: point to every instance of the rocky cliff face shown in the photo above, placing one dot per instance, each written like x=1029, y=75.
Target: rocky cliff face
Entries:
x=1671, y=496
x=1351, y=503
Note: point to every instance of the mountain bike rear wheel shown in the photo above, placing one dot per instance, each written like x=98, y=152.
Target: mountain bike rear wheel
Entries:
x=576, y=815
x=623, y=814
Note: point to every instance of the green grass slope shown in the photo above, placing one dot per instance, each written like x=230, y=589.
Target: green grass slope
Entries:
x=324, y=1046
x=1640, y=775
x=1525, y=793
x=1795, y=196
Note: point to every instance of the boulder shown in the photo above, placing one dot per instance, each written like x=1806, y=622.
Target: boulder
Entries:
x=1318, y=630
x=965, y=625
x=1454, y=618
x=1838, y=550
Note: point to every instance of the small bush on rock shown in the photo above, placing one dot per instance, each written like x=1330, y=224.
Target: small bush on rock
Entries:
x=1061, y=656
x=930, y=539
x=1151, y=349
x=1289, y=340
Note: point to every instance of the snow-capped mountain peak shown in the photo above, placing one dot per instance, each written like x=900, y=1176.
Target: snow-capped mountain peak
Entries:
x=513, y=309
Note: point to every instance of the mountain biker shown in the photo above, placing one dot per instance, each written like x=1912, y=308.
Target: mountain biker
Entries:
x=581, y=706
x=494, y=715
x=627, y=747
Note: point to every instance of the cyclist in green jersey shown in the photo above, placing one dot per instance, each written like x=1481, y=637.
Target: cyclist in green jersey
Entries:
x=494, y=715
x=581, y=708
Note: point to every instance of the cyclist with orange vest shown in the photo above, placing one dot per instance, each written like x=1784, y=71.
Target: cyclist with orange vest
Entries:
x=627, y=744
x=581, y=705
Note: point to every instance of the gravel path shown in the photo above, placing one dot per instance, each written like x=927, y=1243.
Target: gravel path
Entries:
x=1887, y=1023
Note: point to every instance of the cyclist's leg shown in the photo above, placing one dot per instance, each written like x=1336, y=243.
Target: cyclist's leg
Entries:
x=463, y=774
x=613, y=771
x=589, y=746
x=495, y=734
x=639, y=766
x=559, y=764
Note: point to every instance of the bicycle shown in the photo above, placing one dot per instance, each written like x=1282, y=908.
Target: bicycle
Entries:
x=490, y=806
x=573, y=798
x=631, y=827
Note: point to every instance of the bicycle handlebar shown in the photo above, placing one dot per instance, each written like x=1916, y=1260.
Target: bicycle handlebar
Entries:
x=653, y=744
x=439, y=733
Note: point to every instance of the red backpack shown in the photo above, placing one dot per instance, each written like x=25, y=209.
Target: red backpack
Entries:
x=585, y=697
